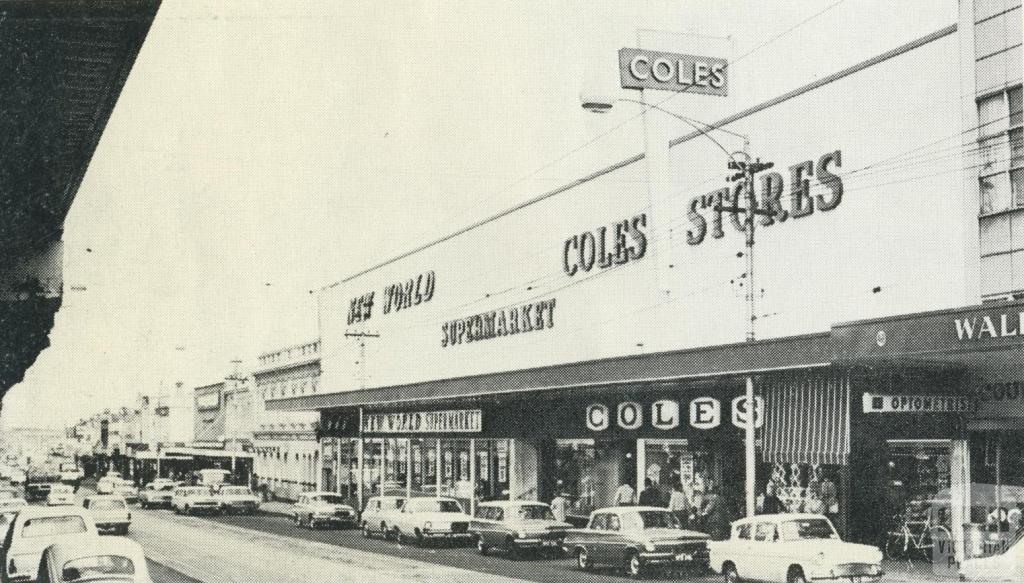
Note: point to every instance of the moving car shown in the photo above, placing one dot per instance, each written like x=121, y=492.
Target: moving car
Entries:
x=106, y=485
x=792, y=548
x=101, y=560
x=1006, y=566
x=157, y=494
x=422, y=519
x=60, y=494
x=38, y=490
x=109, y=512
x=637, y=539
x=194, y=500
x=127, y=490
x=238, y=499
x=517, y=526
x=36, y=528
x=376, y=513
x=314, y=509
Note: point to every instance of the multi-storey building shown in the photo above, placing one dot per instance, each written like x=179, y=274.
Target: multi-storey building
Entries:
x=288, y=458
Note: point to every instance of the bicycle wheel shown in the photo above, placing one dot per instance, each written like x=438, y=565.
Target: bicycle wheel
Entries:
x=897, y=545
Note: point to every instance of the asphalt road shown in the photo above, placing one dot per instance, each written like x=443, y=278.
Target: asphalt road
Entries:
x=162, y=574
x=465, y=557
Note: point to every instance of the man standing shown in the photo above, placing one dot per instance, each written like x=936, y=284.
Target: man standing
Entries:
x=679, y=505
x=650, y=496
x=625, y=495
x=772, y=504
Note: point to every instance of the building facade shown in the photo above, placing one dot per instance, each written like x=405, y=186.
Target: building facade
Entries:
x=594, y=337
x=288, y=456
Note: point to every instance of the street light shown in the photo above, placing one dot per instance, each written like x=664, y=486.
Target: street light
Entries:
x=603, y=104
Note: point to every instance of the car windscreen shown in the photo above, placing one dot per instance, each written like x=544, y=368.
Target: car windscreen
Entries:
x=329, y=499
x=533, y=512
x=432, y=505
x=106, y=504
x=810, y=528
x=97, y=566
x=651, y=519
x=52, y=526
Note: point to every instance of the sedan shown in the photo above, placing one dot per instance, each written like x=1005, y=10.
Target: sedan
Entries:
x=317, y=509
x=109, y=512
x=60, y=495
x=423, y=519
x=120, y=560
x=517, y=526
x=637, y=539
x=36, y=528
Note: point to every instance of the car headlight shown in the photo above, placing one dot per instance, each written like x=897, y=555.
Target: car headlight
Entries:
x=649, y=547
x=428, y=525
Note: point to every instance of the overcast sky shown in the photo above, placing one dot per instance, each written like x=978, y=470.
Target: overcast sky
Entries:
x=261, y=150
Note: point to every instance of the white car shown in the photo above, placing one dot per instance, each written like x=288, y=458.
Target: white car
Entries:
x=1006, y=566
x=100, y=560
x=238, y=499
x=423, y=519
x=376, y=514
x=106, y=485
x=109, y=512
x=194, y=500
x=60, y=495
x=792, y=548
x=127, y=490
x=315, y=509
x=10, y=500
x=34, y=529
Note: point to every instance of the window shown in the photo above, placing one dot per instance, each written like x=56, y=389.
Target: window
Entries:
x=743, y=531
x=613, y=522
x=1001, y=151
x=52, y=526
x=600, y=522
x=765, y=532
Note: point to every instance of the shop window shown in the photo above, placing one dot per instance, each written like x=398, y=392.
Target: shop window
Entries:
x=1001, y=151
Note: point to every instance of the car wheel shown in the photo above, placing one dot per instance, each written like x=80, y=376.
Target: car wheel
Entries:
x=384, y=532
x=514, y=553
x=796, y=575
x=729, y=574
x=420, y=541
x=397, y=535
x=634, y=568
x=187, y=510
x=481, y=545
x=367, y=533
x=298, y=519
x=582, y=559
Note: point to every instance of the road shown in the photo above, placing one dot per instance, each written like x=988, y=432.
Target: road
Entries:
x=388, y=552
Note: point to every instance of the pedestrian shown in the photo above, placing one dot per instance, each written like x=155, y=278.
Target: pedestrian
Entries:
x=679, y=505
x=625, y=495
x=560, y=506
x=650, y=495
x=716, y=515
x=771, y=503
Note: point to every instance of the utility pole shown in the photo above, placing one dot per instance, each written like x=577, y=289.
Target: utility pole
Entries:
x=745, y=171
x=362, y=336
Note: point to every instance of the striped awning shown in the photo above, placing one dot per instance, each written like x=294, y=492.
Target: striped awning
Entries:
x=807, y=419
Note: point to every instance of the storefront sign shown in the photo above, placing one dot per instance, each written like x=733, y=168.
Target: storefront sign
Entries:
x=397, y=296
x=531, y=317
x=875, y=403
x=705, y=413
x=989, y=326
x=453, y=421
x=640, y=69
x=802, y=203
x=604, y=247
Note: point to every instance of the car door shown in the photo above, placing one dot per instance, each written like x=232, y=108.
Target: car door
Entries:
x=595, y=533
x=300, y=506
x=613, y=541
x=759, y=559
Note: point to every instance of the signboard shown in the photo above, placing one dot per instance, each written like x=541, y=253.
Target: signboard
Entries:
x=640, y=69
x=878, y=403
x=666, y=414
x=208, y=401
x=452, y=421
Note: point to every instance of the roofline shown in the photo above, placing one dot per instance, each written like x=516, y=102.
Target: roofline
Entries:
x=900, y=50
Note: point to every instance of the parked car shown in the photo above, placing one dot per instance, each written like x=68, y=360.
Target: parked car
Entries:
x=109, y=512
x=637, y=539
x=127, y=490
x=376, y=512
x=157, y=494
x=36, y=528
x=194, y=500
x=60, y=495
x=314, y=509
x=517, y=526
x=10, y=499
x=423, y=519
x=106, y=485
x=1005, y=566
x=105, y=560
x=239, y=499
x=792, y=548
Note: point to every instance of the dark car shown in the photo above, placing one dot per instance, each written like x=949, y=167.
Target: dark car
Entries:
x=637, y=539
x=517, y=526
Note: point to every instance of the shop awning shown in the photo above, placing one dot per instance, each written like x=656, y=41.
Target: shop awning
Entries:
x=807, y=419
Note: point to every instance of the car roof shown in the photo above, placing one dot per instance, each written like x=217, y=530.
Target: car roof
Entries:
x=104, y=497
x=47, y=511
x=621, y=509
x=62, y=552
x=779, y=517
x=325, y=493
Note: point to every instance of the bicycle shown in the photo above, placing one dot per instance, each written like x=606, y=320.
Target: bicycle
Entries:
x=917, y=537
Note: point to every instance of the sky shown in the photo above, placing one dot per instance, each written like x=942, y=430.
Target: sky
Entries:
x=261, y=150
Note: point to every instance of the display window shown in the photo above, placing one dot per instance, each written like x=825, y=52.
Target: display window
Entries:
x=589, y=472
x=918, y=513
x=997, y=490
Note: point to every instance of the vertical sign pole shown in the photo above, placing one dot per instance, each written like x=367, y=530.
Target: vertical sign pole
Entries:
x=408, y=468
x=438, y=468
x=472, y=476
x=359, y=462
x=750, y=453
